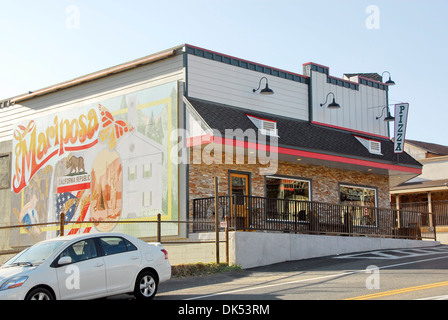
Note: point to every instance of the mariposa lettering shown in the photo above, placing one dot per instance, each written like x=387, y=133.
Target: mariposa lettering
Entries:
x=35, y=146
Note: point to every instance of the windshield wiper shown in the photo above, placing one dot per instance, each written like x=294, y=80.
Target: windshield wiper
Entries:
x=23, y=263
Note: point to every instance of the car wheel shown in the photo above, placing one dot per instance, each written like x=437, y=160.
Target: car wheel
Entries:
x=39, y=294
x=146, y=285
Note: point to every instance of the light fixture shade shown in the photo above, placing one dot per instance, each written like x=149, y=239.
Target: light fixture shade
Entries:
x=389, y=118
x=267, y=91
x=390, y=82
x=333, y=105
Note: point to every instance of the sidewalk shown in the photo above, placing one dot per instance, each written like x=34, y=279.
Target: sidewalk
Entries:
x=442, y=237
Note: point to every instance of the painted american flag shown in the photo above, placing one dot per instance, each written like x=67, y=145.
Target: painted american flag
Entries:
x=75, y=204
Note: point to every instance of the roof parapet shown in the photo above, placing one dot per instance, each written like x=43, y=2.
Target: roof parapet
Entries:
x=94, y=76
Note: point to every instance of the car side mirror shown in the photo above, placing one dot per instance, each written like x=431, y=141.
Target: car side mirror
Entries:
x=64, y=260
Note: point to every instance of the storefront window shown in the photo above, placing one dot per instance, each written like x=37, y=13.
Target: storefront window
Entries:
x=361, y=202
x=285, y=198
x=291, y=189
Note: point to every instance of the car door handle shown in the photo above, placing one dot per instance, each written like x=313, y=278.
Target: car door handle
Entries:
x=134, y=258
x=99, y=265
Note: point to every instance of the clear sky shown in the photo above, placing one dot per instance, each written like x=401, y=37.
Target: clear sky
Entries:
x=44, y=42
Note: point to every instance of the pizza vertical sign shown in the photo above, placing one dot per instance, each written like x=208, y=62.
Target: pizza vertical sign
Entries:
x=401, y=118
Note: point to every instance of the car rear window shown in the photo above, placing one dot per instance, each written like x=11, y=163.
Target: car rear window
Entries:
x=114, y=245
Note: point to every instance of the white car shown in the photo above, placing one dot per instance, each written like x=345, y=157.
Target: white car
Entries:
x=85, y=266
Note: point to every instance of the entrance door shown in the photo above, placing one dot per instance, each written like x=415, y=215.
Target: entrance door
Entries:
x=85, y=276
x=239, y=186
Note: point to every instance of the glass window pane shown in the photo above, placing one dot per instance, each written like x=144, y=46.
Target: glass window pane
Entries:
x=358, y=196
x=359, y=200
x=290, y=189
x=130, y=246
x=113, y=245
x=132, y=173
x=239, y=186
x=147, y=170
x=81, y=250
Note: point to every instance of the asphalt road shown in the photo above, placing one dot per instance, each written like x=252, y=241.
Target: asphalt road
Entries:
x=405, y=274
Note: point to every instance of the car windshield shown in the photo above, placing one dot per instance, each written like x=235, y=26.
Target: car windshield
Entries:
x=36, y=254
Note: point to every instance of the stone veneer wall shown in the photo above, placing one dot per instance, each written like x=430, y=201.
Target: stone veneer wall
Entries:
x=324, y=180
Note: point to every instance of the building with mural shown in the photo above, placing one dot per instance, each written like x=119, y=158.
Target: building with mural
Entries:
x=148, y=136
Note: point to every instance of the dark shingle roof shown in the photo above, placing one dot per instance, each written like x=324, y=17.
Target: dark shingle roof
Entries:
x=300, y=134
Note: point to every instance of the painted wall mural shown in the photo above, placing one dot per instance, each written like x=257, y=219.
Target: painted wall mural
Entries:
x=102, y=162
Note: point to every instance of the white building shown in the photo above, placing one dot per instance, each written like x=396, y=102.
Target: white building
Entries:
x=328, y=152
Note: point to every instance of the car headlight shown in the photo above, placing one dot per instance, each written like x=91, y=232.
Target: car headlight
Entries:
x=13, y=282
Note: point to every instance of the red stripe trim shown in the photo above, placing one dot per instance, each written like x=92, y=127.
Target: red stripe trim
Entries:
x=365, y=163
x=319, y=65
x=74, y=187
x=300, y=153
x=350, y=130
x=249, y=115
x=364, y=138
x=81, y=218
x=248, y=61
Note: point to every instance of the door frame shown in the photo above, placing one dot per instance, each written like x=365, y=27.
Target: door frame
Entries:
x=239, y=173
x=241, y=212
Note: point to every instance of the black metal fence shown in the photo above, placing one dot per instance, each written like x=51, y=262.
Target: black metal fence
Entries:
x=259, y=213
x=157, y=230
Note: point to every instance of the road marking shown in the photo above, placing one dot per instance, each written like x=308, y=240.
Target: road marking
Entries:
x=274, y=285
x=399, y=291
x=311, y=279
x=395, y=254
x=445, y=297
